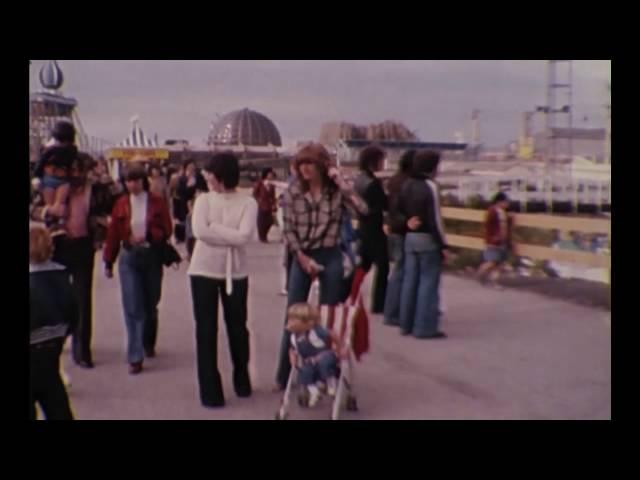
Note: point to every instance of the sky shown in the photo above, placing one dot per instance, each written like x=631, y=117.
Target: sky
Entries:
x=434, y=98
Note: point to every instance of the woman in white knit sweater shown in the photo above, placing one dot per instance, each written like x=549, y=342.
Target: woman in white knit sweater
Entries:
x=223, y=223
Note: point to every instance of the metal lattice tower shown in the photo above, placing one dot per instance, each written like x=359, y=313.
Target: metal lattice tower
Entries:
x=559, y=108
x=559, y=84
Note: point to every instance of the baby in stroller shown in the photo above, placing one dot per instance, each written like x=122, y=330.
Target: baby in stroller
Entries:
x=313, y=351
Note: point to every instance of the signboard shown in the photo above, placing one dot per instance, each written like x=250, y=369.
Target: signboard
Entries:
x=138, y=154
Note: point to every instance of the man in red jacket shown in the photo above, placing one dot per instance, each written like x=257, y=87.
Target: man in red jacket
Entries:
x=497, y=238
x=140, y=225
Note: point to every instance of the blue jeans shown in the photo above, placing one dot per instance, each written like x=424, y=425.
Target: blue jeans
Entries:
x=53, y=182
x=326, y=368
x=141, y=284
x=394, y=286
x=299, y=286
x=420, y=297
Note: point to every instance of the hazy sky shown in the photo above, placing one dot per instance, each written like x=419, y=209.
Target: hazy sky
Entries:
x=180, y=99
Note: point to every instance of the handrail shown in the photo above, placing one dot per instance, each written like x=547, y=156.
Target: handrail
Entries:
x=562, y=223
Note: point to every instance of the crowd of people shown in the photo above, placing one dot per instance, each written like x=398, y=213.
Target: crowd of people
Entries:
x=136, y=222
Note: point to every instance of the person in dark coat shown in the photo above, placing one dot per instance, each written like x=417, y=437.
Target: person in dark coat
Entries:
x=53, y=314
x=373, y=247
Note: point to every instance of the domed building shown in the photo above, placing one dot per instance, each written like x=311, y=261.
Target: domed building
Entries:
x=244, y=128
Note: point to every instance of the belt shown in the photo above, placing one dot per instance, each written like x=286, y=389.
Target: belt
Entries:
x=129, y=246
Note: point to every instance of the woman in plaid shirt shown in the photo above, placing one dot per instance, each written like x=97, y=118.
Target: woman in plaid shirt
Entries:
x=312, y=220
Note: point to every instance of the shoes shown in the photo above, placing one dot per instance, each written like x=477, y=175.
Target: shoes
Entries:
x=214, y=404
x=432, y=336
x=283, y=293
x=135, y=368
x=85, y=363
x=242, y=384
x=314, y=395
x=149, y=352
x=332, y=386
x=278, y=388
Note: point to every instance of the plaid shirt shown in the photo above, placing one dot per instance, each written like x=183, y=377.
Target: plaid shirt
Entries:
x=309, y=225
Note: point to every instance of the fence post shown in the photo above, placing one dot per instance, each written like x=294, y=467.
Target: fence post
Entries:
x=600, y=196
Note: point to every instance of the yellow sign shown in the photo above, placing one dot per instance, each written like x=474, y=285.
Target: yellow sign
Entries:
x=138, y=154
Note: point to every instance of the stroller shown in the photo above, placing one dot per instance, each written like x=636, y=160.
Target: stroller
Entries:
x=349, y=322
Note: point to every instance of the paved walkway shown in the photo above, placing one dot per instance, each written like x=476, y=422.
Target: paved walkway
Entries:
x=509, y=355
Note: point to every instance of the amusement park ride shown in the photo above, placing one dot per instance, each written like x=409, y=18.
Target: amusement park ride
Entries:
x=47, y=106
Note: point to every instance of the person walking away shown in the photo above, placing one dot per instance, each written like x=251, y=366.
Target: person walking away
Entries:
x=287, y=258
x=224, y=221
x=158, y=184
x=103, y=195
x=312, y=221
x=201, y=187
x=265, y=195
x=373, y=240
x=180, y=208
x=396, y=227
x=497, y=239
x=140, y=226
x=425, y=249
x=53, y=312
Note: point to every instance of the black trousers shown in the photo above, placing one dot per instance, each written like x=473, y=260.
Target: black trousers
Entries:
x=288, y=262
x=78, y=255
x=46, y=387
x=374, y=251
x=205, y=293
x=265, y=222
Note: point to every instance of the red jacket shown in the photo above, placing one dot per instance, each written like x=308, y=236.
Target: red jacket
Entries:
x=265, y=196
x=159, y=226
x=492, y=235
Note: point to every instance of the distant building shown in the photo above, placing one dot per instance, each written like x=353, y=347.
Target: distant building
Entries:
x=347, y=151
x=585, y=142
x=332, y=132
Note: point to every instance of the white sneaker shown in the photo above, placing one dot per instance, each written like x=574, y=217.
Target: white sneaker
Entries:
x=283, y=293
x=314, y=395
x=332, y=386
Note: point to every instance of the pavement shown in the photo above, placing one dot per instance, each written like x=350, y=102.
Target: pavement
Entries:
x=509, y=354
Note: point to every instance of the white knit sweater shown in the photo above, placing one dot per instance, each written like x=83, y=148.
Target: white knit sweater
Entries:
x=223, y=223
